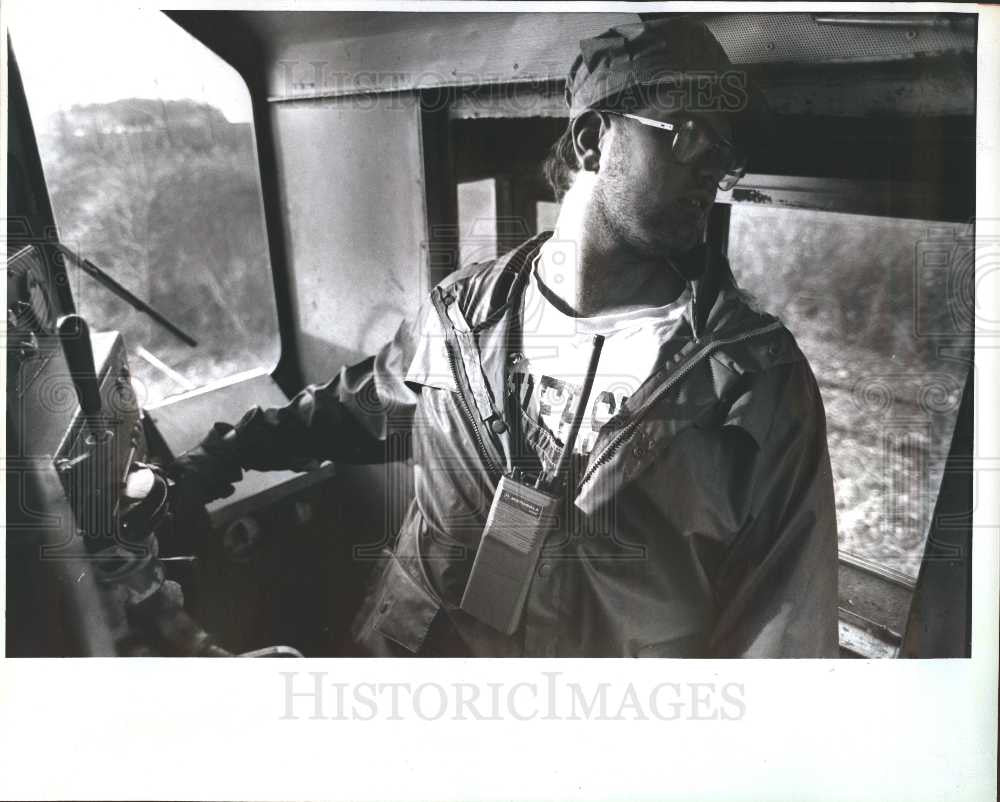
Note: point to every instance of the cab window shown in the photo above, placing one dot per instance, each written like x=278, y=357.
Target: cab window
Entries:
x=881, y=308
x=148, y=150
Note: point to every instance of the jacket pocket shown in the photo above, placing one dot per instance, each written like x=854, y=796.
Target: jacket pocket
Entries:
x=404, y=609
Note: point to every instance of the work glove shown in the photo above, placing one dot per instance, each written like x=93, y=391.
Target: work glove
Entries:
x=209, y=470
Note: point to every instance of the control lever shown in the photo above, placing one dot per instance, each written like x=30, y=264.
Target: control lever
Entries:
x=74, y=336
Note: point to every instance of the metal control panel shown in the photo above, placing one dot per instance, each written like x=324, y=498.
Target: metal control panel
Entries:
x=97, y=453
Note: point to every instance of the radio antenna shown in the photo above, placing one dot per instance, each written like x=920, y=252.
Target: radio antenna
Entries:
x=582, y=404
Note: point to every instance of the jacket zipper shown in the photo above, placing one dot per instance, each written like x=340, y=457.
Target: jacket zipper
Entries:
x=625, y=433
x=464, y=406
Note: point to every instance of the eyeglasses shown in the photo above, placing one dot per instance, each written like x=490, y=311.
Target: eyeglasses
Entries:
x=694, y=143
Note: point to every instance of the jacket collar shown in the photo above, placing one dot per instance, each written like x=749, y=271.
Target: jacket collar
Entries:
x=709, y=296
x=705, y=310
x=512, y=271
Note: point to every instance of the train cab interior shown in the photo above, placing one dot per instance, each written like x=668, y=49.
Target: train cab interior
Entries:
x=214, y=209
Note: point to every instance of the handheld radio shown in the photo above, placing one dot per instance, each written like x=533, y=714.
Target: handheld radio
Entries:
x=520, y=518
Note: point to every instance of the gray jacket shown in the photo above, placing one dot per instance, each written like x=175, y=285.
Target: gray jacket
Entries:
x=703, y=523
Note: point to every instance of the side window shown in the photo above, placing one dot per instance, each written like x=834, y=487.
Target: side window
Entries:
x=477, y=221
x=148, y=150
x=502, y=195
x=546, y=215
x=882, y=308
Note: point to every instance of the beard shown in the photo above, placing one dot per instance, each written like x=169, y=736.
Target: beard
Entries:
x=659, y=231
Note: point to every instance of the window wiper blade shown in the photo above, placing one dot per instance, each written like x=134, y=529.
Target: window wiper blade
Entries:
x=135, y=302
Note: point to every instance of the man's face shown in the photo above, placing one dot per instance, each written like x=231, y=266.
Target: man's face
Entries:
x=654, y=203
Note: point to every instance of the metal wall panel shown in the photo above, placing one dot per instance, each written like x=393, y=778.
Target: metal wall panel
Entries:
x=317, y=54
x=351, y=184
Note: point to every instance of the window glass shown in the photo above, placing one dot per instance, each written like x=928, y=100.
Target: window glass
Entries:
x=477, y=221
x=546, y=215
x=148, y=151
x=882, y=309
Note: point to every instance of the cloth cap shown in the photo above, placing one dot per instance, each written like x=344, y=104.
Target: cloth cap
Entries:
x=673, y=65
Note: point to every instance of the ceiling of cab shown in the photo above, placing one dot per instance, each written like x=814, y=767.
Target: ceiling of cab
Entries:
x=842, y=64
x=836, y=37
x=318, y=54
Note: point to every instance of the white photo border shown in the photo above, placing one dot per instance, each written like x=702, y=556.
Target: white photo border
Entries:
x=796, y=730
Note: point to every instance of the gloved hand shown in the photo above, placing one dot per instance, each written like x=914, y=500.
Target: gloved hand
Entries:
x=209, y=470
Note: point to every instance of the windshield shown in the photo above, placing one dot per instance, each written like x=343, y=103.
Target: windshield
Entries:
x=150, y=161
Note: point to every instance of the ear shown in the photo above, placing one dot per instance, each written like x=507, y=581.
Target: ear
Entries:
x=588, y=135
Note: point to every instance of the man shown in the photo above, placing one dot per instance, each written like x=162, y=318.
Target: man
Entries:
x=699, y=517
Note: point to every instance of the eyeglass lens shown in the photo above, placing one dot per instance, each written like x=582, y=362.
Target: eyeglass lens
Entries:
x=692, y=144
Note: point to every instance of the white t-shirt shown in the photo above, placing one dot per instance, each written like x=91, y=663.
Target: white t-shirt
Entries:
x=556, y=350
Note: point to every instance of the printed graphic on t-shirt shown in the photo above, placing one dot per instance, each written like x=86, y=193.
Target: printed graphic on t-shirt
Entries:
x=557, y=403
x=556, y=350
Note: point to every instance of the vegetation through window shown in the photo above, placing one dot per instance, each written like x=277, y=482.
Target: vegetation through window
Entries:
x=148, y=151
